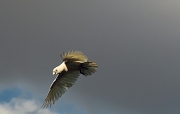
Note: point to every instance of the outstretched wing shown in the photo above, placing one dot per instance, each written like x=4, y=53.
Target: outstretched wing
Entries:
x=59, y=86
x=74, y=56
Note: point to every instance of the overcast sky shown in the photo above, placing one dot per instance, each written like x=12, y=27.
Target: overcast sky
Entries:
x=134, y=42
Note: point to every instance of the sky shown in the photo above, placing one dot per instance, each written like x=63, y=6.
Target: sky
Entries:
x=134, y=42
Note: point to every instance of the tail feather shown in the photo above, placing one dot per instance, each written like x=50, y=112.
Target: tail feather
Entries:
x=88, y=68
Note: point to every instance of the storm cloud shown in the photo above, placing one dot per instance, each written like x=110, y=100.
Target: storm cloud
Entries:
x=134, y=43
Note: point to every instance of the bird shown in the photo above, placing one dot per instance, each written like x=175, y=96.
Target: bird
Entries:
x=74, y=63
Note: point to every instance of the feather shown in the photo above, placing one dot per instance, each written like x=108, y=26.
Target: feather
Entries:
x=74, y=56
x=59, y=86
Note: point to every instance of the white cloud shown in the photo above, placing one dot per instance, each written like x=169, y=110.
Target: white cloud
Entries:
x=23, y=106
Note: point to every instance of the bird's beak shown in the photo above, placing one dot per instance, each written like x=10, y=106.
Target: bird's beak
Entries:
x=54, y=73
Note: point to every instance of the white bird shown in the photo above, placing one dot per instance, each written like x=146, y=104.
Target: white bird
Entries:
x=74, y=64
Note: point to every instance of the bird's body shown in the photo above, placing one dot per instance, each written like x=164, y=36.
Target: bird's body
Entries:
x=74, y=64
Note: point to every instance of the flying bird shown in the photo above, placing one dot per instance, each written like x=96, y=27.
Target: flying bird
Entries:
x=74, y=63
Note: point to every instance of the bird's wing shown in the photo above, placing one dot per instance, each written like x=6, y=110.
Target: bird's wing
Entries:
x=74, y=56
x=59, y=86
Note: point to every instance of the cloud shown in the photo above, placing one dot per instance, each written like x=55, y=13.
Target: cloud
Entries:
x=23, y=106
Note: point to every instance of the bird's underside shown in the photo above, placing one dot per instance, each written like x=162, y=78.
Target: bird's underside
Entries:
x=74, y=64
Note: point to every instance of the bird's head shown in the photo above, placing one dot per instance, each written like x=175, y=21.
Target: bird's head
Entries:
x=55, y=71
x=60, y=68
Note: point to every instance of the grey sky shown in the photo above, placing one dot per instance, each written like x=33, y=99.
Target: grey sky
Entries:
x=135, y=43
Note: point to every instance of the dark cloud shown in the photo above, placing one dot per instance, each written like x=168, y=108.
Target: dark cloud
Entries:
x=135, y=43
